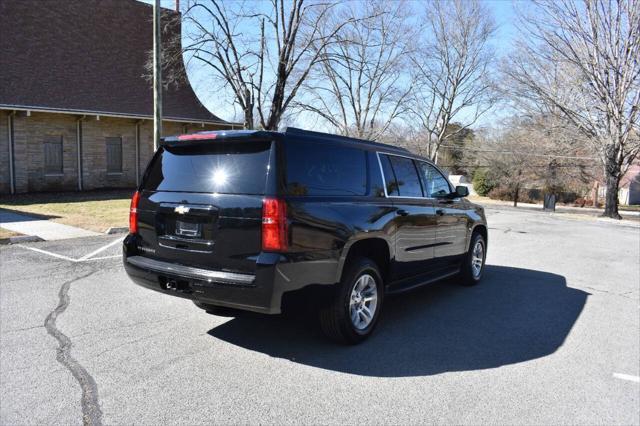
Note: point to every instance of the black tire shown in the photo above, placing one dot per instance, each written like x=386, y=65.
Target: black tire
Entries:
x=467, y=277
x=335, y=317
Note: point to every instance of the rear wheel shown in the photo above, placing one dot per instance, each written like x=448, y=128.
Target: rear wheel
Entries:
x=352, y=313
x=473, y=263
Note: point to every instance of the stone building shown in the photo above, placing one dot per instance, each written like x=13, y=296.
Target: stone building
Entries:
x=75, y=102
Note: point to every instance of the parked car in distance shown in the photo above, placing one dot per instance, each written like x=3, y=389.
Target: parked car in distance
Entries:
x=250, y=219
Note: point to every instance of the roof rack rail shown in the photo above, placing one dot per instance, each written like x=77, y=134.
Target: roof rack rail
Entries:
x=325, y=136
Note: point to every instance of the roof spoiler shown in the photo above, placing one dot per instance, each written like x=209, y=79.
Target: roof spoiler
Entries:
x=217, y=135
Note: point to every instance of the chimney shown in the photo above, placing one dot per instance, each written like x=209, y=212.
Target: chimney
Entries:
x=178, y=6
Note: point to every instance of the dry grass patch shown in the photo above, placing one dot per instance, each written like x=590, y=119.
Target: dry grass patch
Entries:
x=92, y=210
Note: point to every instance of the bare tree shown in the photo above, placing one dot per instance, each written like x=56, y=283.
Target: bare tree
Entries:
x=511, y=163
x=453, y=69
x=262, y=52
x=580, y=60
x=531, y=153
x=362, y=83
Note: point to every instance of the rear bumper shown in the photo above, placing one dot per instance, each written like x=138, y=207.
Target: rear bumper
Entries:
x=191, y=273
x=240, y=291
x=261, y=292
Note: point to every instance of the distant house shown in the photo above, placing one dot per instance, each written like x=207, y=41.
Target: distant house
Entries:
x=75, y=105
x=630, y=185
x=628, y=190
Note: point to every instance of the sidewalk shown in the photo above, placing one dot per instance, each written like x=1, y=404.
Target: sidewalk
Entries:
x=559, y=208
x=42, y=228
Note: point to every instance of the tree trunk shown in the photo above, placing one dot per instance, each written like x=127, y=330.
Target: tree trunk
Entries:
x=275, y=113
x=516, y=194
x=248, y=118
x=611, y=197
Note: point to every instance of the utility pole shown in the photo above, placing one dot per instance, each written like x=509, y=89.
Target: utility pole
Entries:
x=157, y=77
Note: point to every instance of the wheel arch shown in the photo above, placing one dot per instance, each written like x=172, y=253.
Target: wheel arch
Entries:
x=377, y=249
x=483, y=230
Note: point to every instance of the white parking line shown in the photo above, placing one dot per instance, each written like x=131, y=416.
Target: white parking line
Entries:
x=628, y=377
x=101, y=249
x=84, y=258
x=59, y=256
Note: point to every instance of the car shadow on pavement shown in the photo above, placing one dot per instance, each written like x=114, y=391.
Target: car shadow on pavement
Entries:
x=514, y=315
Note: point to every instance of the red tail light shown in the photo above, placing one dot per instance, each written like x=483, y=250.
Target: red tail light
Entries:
x=274, y=225
x=133, y=213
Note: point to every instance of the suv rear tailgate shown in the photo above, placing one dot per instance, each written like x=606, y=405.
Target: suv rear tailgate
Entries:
x=201, y=205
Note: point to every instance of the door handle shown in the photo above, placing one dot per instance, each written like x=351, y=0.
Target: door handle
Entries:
x=440, y=212
x=402, y=212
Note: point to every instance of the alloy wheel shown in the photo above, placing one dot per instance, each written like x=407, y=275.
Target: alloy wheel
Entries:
x=363, y=301
x=477, y=258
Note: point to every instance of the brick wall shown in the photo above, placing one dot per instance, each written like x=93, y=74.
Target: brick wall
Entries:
x=20, y=154
x=4, y=154
x=30, y=132
x=94, y=146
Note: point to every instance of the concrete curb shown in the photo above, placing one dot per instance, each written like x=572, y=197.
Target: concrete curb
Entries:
x=585, y=216
x=20, y=239
x=117, y=230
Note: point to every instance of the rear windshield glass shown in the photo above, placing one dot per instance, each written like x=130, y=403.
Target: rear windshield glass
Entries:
x=232, y=168
x=315, y=168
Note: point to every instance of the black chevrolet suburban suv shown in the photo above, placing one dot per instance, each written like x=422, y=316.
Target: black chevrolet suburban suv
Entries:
x=244, y=219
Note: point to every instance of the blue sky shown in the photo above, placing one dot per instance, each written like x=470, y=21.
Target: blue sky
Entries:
x=504, y=15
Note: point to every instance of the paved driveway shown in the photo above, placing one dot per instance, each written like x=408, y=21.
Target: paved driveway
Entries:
x=550, y=336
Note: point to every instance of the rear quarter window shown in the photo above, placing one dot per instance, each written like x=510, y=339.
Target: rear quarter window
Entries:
x=407, y=181
x=315, y=168
x=213, y=167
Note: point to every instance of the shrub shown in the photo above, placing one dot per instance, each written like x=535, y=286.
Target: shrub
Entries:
x=481, y=182
x=567, y=197
x=500, y=193
x=534, y=194
x=525, y=197
x=504, y=193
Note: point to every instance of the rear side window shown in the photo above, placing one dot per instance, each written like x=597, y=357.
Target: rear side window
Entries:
x=389, y=176
x=231, y=168
x=314, y=168
x=406, y=176
x=436, y=185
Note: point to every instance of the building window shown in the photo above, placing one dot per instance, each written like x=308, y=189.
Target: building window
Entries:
x=114, y=155
x=53, y=156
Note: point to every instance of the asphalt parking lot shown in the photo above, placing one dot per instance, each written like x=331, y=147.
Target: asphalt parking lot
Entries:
x=552, y=335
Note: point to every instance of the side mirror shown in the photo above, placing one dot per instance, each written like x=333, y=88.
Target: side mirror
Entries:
x=462, y=191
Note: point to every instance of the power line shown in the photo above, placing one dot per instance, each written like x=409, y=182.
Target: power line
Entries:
x=528, y=166
x=570, y=157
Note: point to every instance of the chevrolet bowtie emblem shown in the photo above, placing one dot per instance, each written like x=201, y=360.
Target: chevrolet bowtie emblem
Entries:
x=181, y=209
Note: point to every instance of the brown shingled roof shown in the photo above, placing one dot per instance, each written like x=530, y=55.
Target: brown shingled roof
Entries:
x=85, y=56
